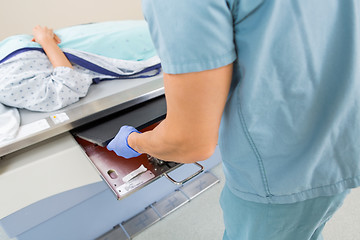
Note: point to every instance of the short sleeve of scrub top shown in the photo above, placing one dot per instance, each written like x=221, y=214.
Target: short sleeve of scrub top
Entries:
x=191, y=36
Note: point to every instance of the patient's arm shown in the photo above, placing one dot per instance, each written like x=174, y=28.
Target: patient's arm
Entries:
x=48, y=41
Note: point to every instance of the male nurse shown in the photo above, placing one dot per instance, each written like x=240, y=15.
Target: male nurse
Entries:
x=277, y=85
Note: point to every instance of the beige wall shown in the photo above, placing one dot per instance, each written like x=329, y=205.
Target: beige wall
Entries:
x=20, y=16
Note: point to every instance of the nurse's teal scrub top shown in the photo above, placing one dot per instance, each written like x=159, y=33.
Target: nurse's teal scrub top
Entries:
x=291, y=127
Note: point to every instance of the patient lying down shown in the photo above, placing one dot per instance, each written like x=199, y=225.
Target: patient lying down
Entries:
x=42, y=82
x=41, y=78
x=36, y=74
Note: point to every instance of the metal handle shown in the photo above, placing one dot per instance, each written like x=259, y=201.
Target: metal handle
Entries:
x=188, y=178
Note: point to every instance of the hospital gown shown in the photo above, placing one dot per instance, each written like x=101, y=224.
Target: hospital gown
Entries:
x=29, y=81
x=98, y=51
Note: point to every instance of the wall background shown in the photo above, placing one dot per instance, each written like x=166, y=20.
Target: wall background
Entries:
x=19, y=16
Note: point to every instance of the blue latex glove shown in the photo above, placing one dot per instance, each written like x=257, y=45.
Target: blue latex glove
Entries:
x=120, y=143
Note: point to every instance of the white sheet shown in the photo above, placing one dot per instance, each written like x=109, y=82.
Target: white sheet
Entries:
x=9, y=122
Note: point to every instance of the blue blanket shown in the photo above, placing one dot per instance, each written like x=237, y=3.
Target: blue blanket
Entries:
x=126, y=40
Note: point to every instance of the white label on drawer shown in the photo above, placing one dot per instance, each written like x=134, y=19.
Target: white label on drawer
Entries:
x=59, y=118
x=134, y=173
x=135, y=182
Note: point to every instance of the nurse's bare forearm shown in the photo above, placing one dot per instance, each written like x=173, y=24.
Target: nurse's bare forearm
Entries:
x=165, y=143
x=195, y=102
x=55, y=55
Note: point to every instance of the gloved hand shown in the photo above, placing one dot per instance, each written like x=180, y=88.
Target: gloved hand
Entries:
x=120, y=143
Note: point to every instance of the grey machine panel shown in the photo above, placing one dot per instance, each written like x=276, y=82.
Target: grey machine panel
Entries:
x=139, y=116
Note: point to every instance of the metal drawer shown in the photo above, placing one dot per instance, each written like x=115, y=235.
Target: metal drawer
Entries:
x=125, y=176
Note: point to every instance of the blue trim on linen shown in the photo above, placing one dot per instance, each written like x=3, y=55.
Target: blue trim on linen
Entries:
x=21, y=50
x=72, y=58
x=91, y=66
x=156, y=67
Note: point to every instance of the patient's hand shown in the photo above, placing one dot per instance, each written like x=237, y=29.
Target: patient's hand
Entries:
x=43, y=35
x=48, y=41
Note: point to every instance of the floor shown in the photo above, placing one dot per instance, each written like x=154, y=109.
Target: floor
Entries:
x=201, y=219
